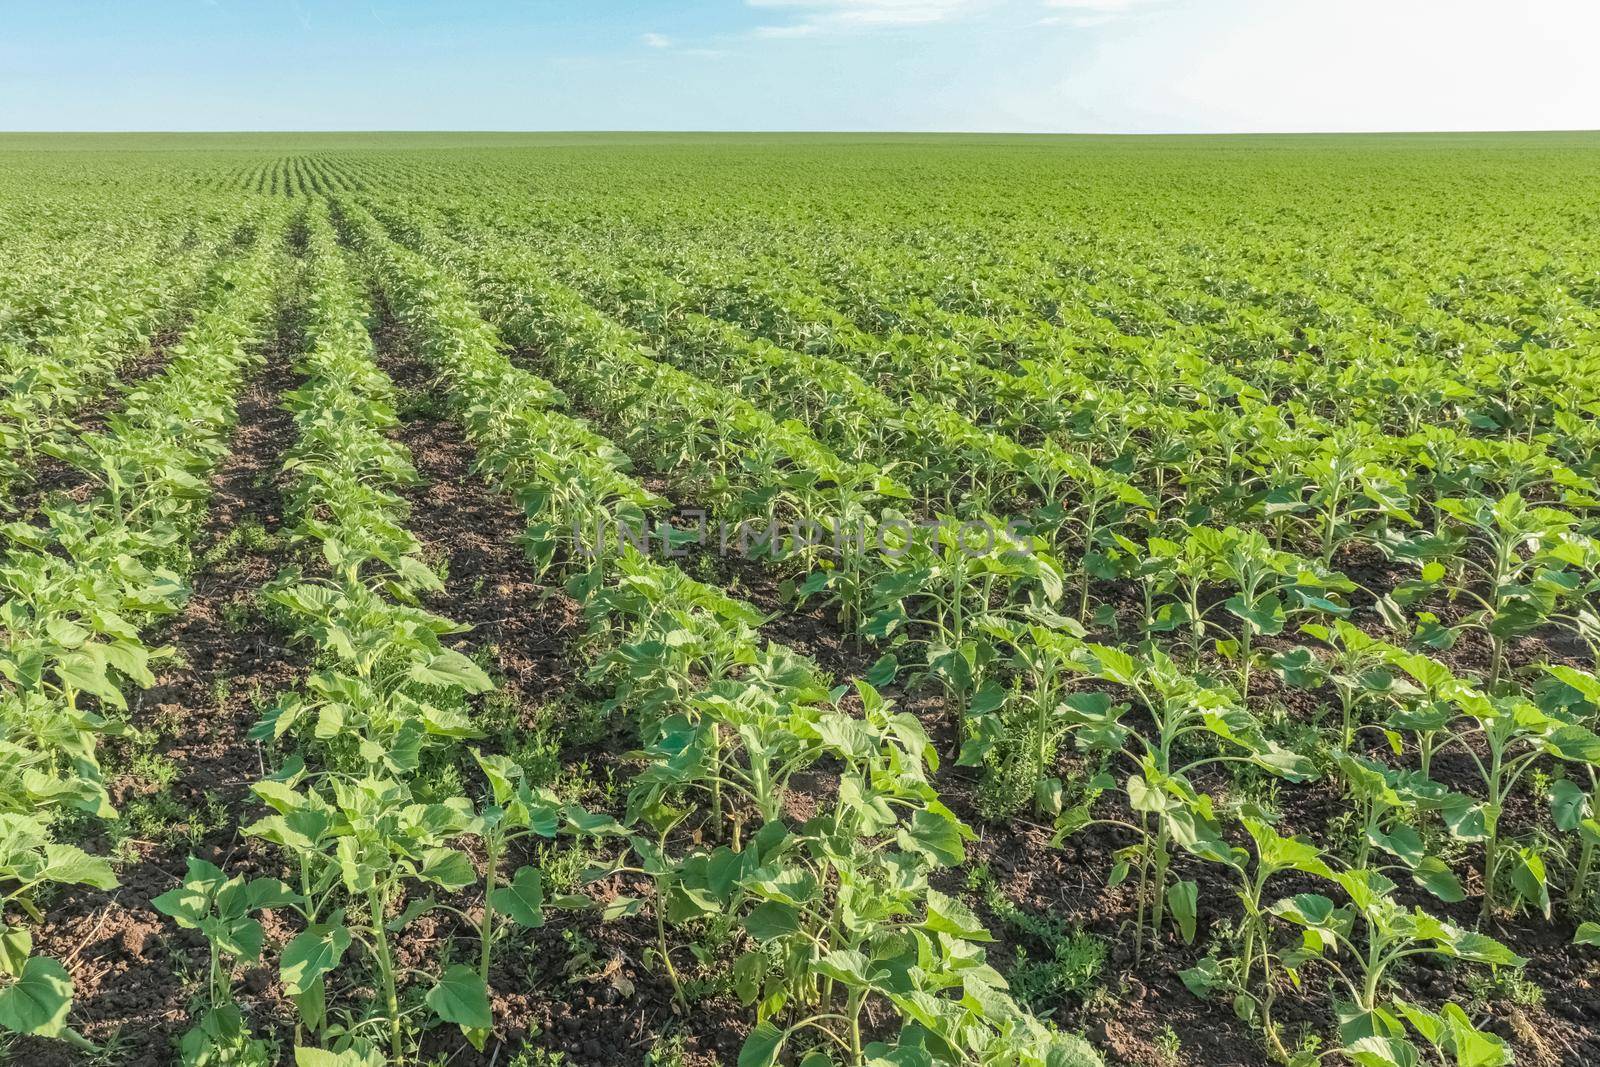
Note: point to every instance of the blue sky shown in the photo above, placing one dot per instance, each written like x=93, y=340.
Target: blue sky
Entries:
x=1025, y=65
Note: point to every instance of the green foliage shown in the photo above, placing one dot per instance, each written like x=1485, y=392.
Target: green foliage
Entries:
x=79, y=582
x=1267, y=488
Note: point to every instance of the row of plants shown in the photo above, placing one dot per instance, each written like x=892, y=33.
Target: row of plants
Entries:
x=1176, y=587
x=1406, y=824
x=63, y=342
x=940, y=583
x=1420, y=419
x=1394, y=346
x=1519, y=566
x=876, y=563
x=834, y=916
x=81, y=582
x=1389, y=337
x=1534, y=565
x=1171, y=809
x=373, y=831
x=1268, y=458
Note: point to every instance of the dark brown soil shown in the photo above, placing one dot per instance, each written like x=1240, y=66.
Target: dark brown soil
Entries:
x=810, y=629
x=51, y=474
x=1150, y=1018
x=526, y=620
x=134, y=971
x=594, y=991
x=149, y=362
x=576, y=986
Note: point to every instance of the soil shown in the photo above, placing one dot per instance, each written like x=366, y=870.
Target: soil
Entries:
x=1150, y=1018
x=133, y=970
x=576, y=986
x=527, y=621
x=52, y=475
x=596, y=992
x=149, y=362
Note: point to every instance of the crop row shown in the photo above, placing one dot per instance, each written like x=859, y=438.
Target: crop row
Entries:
x=82, y=322
x=830, y=914
x=1176, y=701
x=81, y=580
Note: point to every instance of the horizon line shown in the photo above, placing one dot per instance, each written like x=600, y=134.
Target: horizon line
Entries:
x=810, y=132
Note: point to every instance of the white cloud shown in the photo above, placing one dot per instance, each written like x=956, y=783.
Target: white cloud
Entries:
x=668, y=44
x=1086, y=14
x=1082, y=22
x=845, y=16
x=1101, y=6
x=1272, y=65
x=793, y=29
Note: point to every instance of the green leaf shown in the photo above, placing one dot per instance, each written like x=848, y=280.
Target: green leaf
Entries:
x=1473, y=1047
x=71, y=865
x=15, y=945
x=1574, y=743
x=1113, y=664
x=447, y=867
x=523, y=899
x=1588, y=934
x=844, y=965
x=87, y=673
x=591, y=823
x=1569, y=805
x=1265, y=615
x=882, y=673
x=460, y=997
x=446, y=722
x=312, y=1006
x=38, y=1001
x=1202, y=978
x=1480, y=948
x=1529, y=879
x=311, y=954
x=948, y=915
x=1307, y=909
x=1432, y=1027
x=1142, y=798
x=761, y=1048
x=620, y=908
x=317, y=1057
x=241, y=937
x=269, y=893
x=185, y=905
x=772, y=919
x=1436, y=877
x=451, y=669
x=934, y=835
x=1184, y=900
x=1376, y=1051
x=990, y=698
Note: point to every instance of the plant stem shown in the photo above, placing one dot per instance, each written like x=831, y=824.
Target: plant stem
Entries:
x=486, y=929
x=1041, y=753
x=716, y=783
x=377, y=902
x=1158, y=890
x=661, y=945
x=856, y=997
